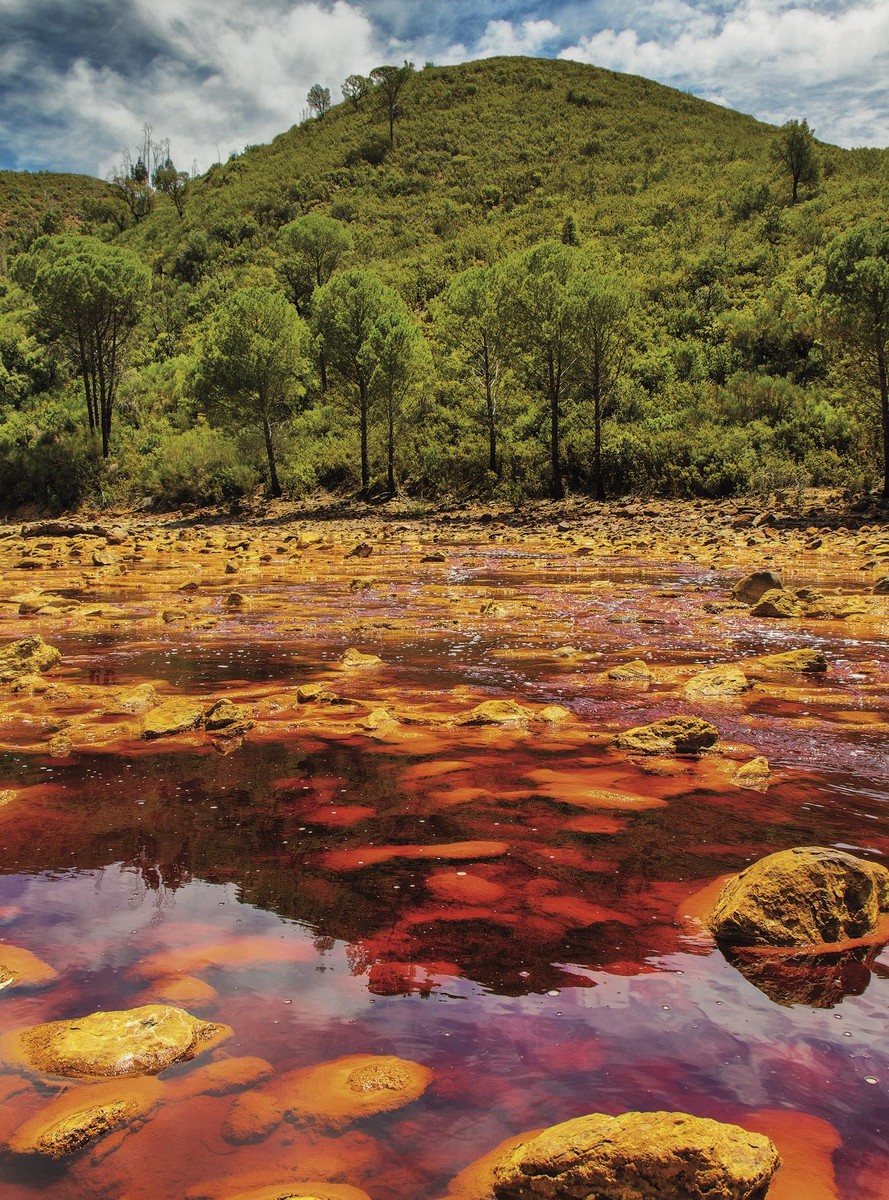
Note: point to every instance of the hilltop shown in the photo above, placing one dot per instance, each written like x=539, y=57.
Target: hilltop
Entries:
x=728, y=382
x=43, y=202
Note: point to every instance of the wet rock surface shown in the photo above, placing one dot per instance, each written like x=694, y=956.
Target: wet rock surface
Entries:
x=79, y=1118
x=639, y=1156
x=139, y=1041
x=27, y=656
x=807, y=896
x=367, y=873
x=172, y=717
x=672, y=735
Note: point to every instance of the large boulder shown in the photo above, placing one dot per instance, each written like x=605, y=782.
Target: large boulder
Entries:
x=28, y=656
x=639, y=1156
x=77, y=1118
x=752, y=587
x=672, y=735
x=809, y=896
x=136, y=1041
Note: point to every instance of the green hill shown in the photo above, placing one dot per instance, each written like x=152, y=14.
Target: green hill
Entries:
x=729, y=381
x=43, y=202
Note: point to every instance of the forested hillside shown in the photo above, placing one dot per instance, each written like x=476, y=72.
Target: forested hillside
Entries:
x=511, y=277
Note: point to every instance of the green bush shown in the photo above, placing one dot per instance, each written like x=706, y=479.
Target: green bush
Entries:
x=199, y=466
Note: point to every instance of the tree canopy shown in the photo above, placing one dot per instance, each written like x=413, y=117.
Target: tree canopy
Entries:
x=254, y=364
x=88, y=297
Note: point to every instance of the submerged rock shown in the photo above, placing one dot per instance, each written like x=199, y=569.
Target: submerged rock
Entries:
x=136, y=1041
x=808, y=896
x=639, y=1156
x=21, y=968
x=301, y=1189
x=251, y=1119
x=716, y=682
x=28, y=656
x=171, y=717
x=76, y=1119
x=754, y=586
x=672, y=735
x=334, y=1094
x=808, y=662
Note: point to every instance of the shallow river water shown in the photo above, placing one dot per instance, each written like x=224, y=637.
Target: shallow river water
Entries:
x=544, y=965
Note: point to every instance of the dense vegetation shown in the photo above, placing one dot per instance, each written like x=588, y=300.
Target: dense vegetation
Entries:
x=511, y=278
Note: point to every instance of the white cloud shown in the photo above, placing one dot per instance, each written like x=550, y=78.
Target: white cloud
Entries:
x=506, y=37
x=777, y=58
x=229, y=74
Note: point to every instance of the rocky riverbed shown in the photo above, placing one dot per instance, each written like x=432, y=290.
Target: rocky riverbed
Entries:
x=447, y=800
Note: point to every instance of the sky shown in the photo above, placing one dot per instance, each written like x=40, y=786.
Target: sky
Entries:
x=79, y=79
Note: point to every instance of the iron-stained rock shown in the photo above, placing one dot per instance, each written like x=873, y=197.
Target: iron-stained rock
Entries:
x=639, y=1156
x=808, y=896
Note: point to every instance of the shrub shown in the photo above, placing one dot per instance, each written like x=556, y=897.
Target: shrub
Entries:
x=199, y=466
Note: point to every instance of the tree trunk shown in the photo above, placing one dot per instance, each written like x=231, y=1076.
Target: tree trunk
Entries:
x=365, y=468
x=557, y=489
x=322, y=371
x=87, y=382
x=390, y=464
x=270, y=451
x=597, y=441
x=884, y=411
x=489, y=403
x=105, y=399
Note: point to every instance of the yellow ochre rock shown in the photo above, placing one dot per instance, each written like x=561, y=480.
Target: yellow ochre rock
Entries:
x=717, y=682
x=636, y=671
x=754, y=586
x=173, y=716
x=639, y=1156
x=672, y=735
x=807, y=662
x=777, y=603
x=135, y=1041
x=807, y=896
x=497, y=712
x=28, y=656
x=353, y=659
x=227, y=718
x=754, y=774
